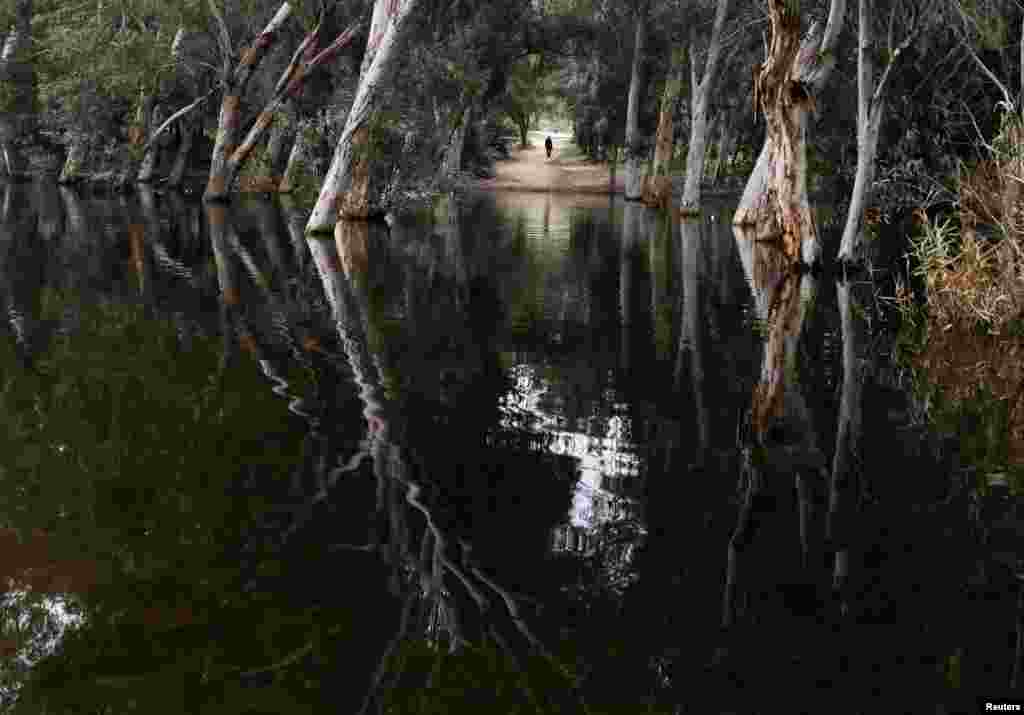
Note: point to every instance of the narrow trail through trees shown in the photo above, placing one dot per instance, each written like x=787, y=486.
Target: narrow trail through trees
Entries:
x=567, y=171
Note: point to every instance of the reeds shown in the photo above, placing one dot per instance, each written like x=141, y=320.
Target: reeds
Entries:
x=973, y=270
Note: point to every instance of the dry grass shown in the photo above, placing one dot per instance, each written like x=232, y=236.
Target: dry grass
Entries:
x=974, y=272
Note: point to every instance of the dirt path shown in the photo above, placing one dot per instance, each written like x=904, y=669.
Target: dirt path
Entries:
x=566, y=171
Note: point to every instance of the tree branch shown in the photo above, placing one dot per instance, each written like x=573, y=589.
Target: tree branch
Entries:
x=175, y=117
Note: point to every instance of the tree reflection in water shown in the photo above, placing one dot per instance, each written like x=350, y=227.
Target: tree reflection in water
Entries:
x=495, y=463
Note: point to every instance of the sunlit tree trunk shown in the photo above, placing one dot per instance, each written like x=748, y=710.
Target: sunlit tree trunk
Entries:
x=658, y=187
x=774, y=204
x=18, y=81
x=635, y=153
x=228, y=124
x=346, y=189
x=701, y=100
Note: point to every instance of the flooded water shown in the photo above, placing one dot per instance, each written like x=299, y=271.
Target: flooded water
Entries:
x=534, y=453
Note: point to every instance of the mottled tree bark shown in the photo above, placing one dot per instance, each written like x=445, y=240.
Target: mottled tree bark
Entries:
x=77, y=154
x=228, y=124
x=658, y=187
x=635, y=153
x=774, y=205
x=304, y=62
x=346, y=189
x=701, y=100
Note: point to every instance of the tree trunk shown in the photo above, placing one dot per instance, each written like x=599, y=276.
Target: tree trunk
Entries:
x=634, y=144
x=658, y=187
x=869, y=117
x=870, y=108
x=147, y=169
x=701, y=99
x=346, y=189
x=453, y=154
x=17, y=74
x=847, y=461
x=77, y=153
x=187, y=133
x=218, y=186
x=775, y=205
x=282, y=136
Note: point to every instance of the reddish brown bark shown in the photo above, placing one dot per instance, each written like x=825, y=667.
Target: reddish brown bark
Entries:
x=775, y=205
x=305, y=61
x=218, y=184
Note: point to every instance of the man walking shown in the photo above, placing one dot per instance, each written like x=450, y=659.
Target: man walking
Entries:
x=548, y=146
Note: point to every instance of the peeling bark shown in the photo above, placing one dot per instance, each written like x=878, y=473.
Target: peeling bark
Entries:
x=775, y=203
x=346, y=191
x=218, y=186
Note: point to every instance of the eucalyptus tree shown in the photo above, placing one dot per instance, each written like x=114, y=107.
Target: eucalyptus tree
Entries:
x=18, y=87
x=346, y=187
x=774, y=205
x=904, y=20
x=635, y=147
x=700, y=103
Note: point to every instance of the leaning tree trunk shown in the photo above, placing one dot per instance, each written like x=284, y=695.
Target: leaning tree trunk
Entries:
x=453, y=154
x=346, y=189
x=658, y=187
x=18, y=79
x=228, y=125
x=634, y=145
x=701, y=99
x=775, y=203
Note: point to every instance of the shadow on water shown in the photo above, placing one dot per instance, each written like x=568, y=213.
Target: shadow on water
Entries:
x=531, y=455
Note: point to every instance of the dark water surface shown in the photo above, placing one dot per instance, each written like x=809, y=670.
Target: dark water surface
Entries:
x=537, y=454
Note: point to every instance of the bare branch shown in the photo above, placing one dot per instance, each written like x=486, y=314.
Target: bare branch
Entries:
x=223, y=38
x=175, y=117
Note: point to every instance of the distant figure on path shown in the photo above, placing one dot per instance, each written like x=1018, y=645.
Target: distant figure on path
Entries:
x=548, y=146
